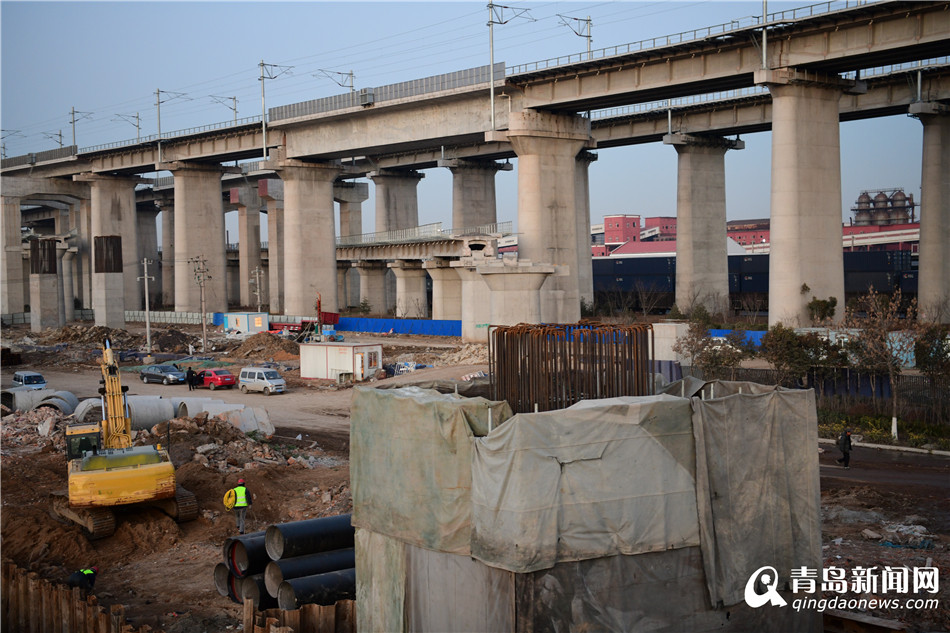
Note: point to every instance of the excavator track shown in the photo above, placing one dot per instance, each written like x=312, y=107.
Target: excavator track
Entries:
x=183, y=507
x=97, y=523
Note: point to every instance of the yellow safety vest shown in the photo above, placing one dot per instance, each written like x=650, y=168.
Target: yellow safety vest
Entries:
x=241, y=494
x=87, y=571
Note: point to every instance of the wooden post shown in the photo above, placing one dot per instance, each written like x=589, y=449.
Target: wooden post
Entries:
x=291, y=619
x=249, y=616
x=345, y=616
x=91, y=608
x=309, y=618
x=23, y=600
x=117, y=615
x=46, y=607
x=6, y=582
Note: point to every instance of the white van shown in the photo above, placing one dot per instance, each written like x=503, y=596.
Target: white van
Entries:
x=261, y=379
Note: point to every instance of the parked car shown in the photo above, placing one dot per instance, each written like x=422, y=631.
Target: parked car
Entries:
x=261, y=379
x=30, y=379
x=165, y=374
x=215, y=379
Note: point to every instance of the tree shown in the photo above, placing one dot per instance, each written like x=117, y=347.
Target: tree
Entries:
x=647, y=296
x=715, y=358
x=784, y=351
x=887, y=332
x=821, y=310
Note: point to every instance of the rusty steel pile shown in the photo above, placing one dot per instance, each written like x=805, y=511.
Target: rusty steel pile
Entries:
x=547, y=367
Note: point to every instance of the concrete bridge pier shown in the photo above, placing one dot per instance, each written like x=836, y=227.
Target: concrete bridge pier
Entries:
x=167, y=208
x=476, y=299
x=148, y=248
x=113, y=212
x=45, y=290
x=13, y=290
x=372, y=284
x=547, y=146
x=585, y=269
x=702, y=263
x=271, y=191
x=199, y=238
x=351, y=196
x=342, y=294
x=248, y=204
x=473, y=191
x=933, y=290
x=67, y=275
x=411, y=299
x=397, y=202
x=806, y=256
x=309, y=236
x=515, y=286
x=446, y=289
x=108, y=285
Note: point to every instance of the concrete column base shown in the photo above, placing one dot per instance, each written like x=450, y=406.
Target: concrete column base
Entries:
x=446, y=290
x=933, y=293
x=411, y=299
x=372, y=285
x=45, y=302
x=108, y=301
x=476, y=300
x=12, y=291
x=341, y=294
x=515, y=290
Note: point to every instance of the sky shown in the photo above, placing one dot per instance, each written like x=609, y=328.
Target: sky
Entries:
x=105, y=61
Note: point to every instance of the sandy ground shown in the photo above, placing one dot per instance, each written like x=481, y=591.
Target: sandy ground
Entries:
x=162, y=571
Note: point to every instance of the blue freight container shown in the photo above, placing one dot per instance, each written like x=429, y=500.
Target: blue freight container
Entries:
x=755, y=282
x=860, y=282
x=908, y=282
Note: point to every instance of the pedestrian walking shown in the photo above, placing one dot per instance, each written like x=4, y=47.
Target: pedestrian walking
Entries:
x=85, y=579
x=242, y=501
x=844, y=445
x=190, y=378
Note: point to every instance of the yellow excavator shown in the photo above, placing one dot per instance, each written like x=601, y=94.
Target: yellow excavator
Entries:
x=105, y=471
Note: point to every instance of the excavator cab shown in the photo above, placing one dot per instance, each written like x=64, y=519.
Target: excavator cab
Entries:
x=82, y=438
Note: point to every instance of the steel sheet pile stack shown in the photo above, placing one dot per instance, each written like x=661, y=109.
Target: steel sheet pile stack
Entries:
x=548, y=367
x=290, y=564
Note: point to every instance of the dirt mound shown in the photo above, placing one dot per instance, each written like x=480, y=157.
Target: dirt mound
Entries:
x=173, y=341
x=267, y=346
x=93, y=336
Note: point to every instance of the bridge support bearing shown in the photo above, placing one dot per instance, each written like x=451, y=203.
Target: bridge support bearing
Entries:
x=702, y=265
x=547, y=146
x=411, y=299
x=309, y=236
x=806, y=257
x=446, y=289
x=933, y=294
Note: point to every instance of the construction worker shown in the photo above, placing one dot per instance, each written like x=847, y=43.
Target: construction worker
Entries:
x=242, y=500
x=84, y=579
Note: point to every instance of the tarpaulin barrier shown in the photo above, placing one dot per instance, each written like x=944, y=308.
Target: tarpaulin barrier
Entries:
x=427, y=327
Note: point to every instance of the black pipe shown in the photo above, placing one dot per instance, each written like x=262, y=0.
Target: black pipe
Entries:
x=252, y=588
x=249, y=556
x=277, y=571
x=323, y=589
x=234, y=592
x=226, y=548
x=287, y=540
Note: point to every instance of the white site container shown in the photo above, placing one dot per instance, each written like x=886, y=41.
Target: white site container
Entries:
x=340, y=361
x=248, y=322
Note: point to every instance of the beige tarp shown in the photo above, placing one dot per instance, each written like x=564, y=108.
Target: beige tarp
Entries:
x=603, y=477
x=410, y=463
x=757, y=484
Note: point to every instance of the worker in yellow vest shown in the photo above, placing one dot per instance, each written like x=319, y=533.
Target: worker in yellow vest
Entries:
x=242, y=500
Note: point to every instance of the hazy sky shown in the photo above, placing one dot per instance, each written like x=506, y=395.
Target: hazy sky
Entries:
x=106, y=59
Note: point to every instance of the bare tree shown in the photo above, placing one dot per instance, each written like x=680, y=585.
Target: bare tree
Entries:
x=647, y=296
x=887, y=332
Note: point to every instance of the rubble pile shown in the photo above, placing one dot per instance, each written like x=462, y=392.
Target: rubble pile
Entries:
x=173, y=341
x=217, y=444
x=32, y=431
x=268, y=346
x=471, y=354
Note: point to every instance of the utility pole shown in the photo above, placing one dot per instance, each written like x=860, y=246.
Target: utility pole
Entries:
x=148, y=323
x=201, y=276
x=496, y=15
x=256, y=280
x=268, y=71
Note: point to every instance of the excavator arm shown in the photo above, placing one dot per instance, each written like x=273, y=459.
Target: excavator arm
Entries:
x=116, y=425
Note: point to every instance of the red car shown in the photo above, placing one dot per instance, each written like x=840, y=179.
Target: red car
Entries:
x=215, y=379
